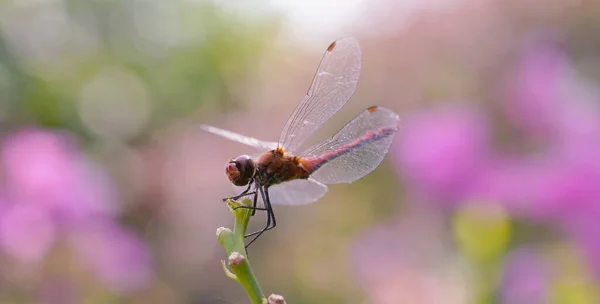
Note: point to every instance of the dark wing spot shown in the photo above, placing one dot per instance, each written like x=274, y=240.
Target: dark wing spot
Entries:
x=372, y=109
x=331, y=46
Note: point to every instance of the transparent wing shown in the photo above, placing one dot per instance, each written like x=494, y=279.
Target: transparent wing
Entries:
x=250, y=141
x=333, y=85
x=297, y=192
x=356, y=150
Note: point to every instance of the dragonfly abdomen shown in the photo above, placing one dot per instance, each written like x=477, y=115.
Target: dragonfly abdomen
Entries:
x=314, y=163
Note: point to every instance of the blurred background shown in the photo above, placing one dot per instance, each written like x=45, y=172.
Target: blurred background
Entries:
x=109, y=192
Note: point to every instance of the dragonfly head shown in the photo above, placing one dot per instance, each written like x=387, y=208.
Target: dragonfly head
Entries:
x=240, y=170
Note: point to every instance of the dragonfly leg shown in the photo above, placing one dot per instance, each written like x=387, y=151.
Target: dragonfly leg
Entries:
x=255, y=198
x=274, y=223
x=244, y=193
x=271, y=223
x=250, y=207
x=253, y=207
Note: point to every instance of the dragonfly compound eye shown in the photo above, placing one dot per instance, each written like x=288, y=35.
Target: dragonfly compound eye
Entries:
x=240, y=170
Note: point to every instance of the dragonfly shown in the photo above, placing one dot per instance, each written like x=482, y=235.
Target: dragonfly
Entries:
x=280, y=175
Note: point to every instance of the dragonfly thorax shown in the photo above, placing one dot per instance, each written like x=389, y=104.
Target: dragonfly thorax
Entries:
x=276, y=166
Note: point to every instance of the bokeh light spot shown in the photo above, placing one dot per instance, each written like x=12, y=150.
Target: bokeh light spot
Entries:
x=481, y=231
x=115, y=104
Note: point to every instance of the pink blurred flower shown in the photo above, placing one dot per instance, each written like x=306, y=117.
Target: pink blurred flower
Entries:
x=26, y=232
x=577, y=137
x=38, y=166
x=438, y=152
x=515, y=182
x=538, y=188
x=52, y=190
x=525, y=278
x=43, y=168
x=535, y=102
x=120, y=258
x=92, y=194
x=572, y=190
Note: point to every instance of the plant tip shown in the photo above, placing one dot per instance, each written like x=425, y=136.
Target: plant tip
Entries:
x=235, y=259
x=221, y=229
x=276, y=299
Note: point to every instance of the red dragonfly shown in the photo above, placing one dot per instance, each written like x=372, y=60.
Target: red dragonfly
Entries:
x=280, y=176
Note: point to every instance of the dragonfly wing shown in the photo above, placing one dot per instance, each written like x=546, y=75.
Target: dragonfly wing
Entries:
x=297, y=192
x=250, y=141
x=333, y=85
x=356, y=150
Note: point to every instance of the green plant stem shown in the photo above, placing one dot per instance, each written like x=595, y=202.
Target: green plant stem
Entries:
x=233, y=242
